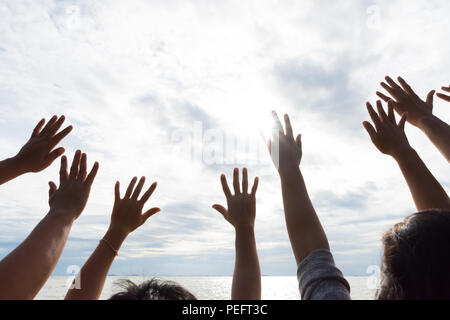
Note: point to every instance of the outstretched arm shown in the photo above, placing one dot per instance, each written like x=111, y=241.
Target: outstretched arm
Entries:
x=390, y=138
x=37, y=154
x=25, y=270
x=126, y=217
x=241, y=215
x=420, y=113
x=305, y=230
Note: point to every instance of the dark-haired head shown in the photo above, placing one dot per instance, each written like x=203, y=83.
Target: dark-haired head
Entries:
x=416, y=259
x=152, y=290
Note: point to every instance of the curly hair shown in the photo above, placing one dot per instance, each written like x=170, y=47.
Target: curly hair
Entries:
x=416, y=259
x=152, y=290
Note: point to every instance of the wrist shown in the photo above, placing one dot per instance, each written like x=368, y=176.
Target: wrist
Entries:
x=404, y=154
x=427, y=121
x=290, y=174
x=15, y=166
x=249, y=227
x=61, y=217
x=115, y=237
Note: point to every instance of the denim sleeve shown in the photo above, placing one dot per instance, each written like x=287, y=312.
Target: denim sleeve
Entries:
x=320, y=279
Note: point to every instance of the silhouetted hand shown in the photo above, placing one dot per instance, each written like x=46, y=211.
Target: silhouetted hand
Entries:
x=127, y=213
x=388, y=136
x=72, y=195
x=285, y=150
x=443, y=96
x=241, y=210
x=37, y=154
x=406, y=100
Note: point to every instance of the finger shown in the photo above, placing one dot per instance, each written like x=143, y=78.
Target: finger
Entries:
x=277, y=127
x=61, y=135
x=402, y=121
x=236, y=186
x=52, y=189
x=38, y=127
x=383, y=97
x=389, y=89
x=75, y=165
x=288, y=125
x=149, y=213
x=430, y=97
x=117, y=190
x=391, y=114
x=298, y=141
x=130, y=188
x=394, y=85
x=138, y=189
x=381, y=111
x=255, y=186
x=83, y=167
x=225, y=187
x=47, y=127
x=244, y=181
x=148, y=193
x=63, y=175
x=52, y=156
x=443, y=97
x=373, y=115
x=405, y=86
x=446, y=89
x=55, y=127
x=222, y=210
x=91, y=176
x=370, y=130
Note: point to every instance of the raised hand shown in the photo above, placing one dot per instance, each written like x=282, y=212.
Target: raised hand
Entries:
x=126, y=217
x=444, y=96
x=241, y=215
x=37, y=154
x=388, y=136
x=26, y=269
x=406, y=100
x=241, y=210
x=127, y=213
x=72, y=195
x=284, y=149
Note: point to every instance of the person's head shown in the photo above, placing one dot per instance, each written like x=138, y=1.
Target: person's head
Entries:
x=416, y=258
x=152, y=290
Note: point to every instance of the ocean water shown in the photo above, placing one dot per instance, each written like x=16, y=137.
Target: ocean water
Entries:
x=210, y=288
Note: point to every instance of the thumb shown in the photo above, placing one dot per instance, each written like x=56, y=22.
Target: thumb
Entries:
x=52, y=156
x=430, y=98
x=298, y=141
x=402, y=121
x=149, y=213
x=221, y=209
x=52, y=189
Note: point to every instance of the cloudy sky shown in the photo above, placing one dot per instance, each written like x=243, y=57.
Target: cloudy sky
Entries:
x=181, y=91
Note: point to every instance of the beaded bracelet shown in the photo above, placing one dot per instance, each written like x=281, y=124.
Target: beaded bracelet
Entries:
x=116, y=252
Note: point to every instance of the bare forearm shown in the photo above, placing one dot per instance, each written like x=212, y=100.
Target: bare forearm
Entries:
x=94, y=272
x=304, y=228
x=9, y=170
x=247, y=275
x=439, y=133
x=26, y=269
x=426, y=191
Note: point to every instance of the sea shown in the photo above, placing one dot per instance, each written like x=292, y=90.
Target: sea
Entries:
x=211, y=288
